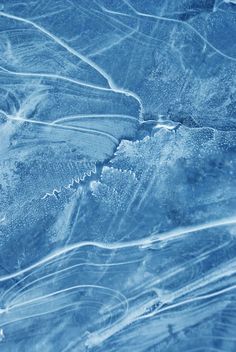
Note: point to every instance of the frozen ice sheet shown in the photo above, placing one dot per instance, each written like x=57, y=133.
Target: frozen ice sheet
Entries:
x=117, y=176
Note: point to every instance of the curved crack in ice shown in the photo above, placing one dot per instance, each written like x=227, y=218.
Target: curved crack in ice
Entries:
x=98, y=338
x=145, y=242
x=79, y=129
x=85, y=59
x=69, y=268
x=61, y=43
x=119, y=294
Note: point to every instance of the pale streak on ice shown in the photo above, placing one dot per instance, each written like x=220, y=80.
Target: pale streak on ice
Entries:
x=193, y=299
x=58, y=272
x=97, y=338
x=139, y=314
x=119, y=294
x=3, y=219
x=145, y=242
x=72, y=128
x=82, y=116
x=167, y=19
x=85, y=59
x=180, y=268
x=61, y=43
x=109, y=291
x=54, y=76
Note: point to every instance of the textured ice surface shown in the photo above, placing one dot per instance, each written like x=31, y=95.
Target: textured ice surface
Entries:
x=117, y=176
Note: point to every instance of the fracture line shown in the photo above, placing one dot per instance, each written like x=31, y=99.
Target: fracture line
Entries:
x=79, y=129
x=145, y=242
x=74, y=52
x=54, y=76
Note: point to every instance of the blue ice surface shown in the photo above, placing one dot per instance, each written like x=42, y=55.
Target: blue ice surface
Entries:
x=117, y=176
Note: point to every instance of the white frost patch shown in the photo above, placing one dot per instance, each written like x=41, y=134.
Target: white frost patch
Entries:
x=2, y=336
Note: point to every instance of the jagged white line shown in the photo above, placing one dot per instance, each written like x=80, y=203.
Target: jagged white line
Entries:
x=145, y=242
